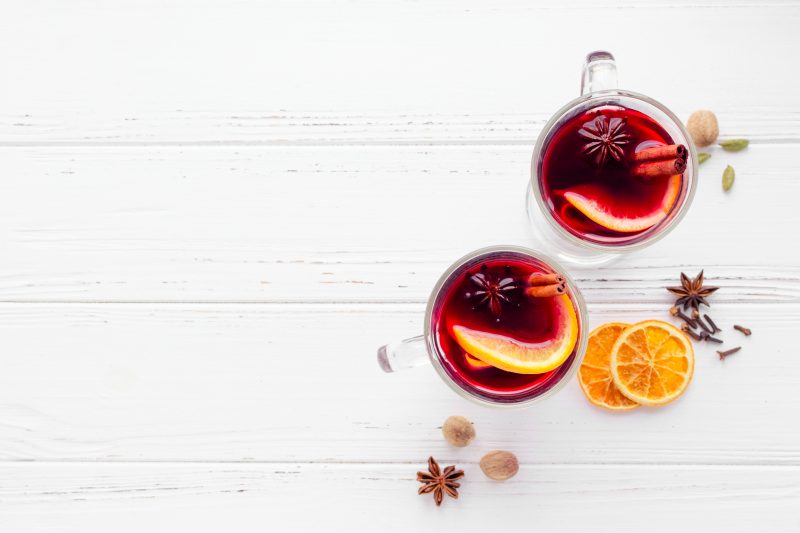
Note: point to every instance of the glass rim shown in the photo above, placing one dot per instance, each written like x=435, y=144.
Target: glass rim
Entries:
x=597, y=246
x=433, y=352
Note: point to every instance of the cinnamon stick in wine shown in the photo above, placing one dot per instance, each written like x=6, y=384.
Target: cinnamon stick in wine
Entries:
x=671, y=151
x=543, y=291
x=659, y=169
x=537, y=278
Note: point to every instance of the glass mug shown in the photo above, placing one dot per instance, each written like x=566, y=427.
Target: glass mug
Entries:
x=488, y=294
x=579, y=222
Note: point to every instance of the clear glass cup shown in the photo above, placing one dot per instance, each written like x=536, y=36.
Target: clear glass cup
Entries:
x=598, y=88
x=424, y=349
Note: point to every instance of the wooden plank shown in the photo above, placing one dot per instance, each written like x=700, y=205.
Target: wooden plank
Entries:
x=358, y=224
x=214, y=497
x=398, y=71
x=297, y=383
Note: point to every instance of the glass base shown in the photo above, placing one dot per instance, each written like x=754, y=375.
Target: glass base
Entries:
x=556, y=245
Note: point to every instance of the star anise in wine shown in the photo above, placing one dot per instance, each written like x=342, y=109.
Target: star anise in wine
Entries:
x=604, y=139
x=692, y=293
x=439, y=482
x=492, y=289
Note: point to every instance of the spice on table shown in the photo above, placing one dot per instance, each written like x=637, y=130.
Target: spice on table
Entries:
x=702, y=157
x=707, y=337
x=734, y=145
x=728, y=175
x=743, y=329
x=499, y=465
x=703, y=127
x=439, y=482
x=702, y=324
x=676, y=312
x=712, y=324
x=689, y=331
x=691, y=292
x=458, y=431
x=726, y=353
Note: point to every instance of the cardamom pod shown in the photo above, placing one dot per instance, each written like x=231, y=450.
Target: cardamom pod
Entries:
x=727, y=178
x=702, y=157
x=734, y=145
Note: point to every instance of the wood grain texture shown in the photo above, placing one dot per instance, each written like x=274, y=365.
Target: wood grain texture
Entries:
x=376, y=224
x=215, y=497
x=391, y=72
x=213, y=212
x=183, y=382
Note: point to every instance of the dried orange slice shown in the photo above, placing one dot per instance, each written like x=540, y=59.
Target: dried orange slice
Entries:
x=652, y=362
x=513, y=355
x=594, y=374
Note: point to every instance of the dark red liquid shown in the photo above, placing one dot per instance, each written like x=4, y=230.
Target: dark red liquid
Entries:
x=523, y=318
x=566, y=167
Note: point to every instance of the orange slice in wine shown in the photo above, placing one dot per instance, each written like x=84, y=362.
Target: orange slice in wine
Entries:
x=598, y=204
x=594, y=374
x=652, y=362
x=512, y=355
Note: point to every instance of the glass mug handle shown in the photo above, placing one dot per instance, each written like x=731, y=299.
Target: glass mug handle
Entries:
x=403, y=354
x=599, y=72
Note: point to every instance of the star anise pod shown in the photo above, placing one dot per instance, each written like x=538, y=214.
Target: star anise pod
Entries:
x=604, y=139
x=492, y=289
x=692, y=293
x=439, y=482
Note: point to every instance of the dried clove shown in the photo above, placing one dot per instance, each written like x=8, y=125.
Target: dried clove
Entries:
x=712, y=324
x=689, y=331
x=743, y=329
x=726, y=353
x=703, y=325
x=676, y=312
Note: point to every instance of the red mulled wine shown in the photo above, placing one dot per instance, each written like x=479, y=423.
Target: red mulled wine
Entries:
x=610, y=174
x=506, y=326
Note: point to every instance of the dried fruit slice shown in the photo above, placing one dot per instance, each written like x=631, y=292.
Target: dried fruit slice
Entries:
x=512, y=355
x=598, y=204
x=594, y=374
x=652, y=362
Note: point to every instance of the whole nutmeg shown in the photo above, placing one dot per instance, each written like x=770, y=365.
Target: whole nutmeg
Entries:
x=458, y=431
x=499, y=465
x=703, y=128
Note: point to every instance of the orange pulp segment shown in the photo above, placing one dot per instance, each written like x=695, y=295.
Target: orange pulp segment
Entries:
x=652, y=362
x=594, y=374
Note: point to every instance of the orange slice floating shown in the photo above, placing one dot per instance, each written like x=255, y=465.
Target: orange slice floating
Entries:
x=512, y=355
x=594, y=374
x=652, y=362
x=596, y=203
x=475, y=363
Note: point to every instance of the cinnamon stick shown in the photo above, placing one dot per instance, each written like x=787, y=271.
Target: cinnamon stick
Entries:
x=671, y=151
x=659, y=169
x=544, y=291
x=537, y=278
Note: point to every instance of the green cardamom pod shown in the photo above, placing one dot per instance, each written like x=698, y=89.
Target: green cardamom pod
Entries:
x=727, y=178
x=702, y=157
x=734, y=145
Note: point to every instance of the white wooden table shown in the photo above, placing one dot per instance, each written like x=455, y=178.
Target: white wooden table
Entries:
x=213, y=212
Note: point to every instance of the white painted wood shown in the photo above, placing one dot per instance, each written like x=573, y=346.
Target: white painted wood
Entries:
x=212, y=212
x=259, y=224
x=355, y=71
x=366, y=497
x=181, y=382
